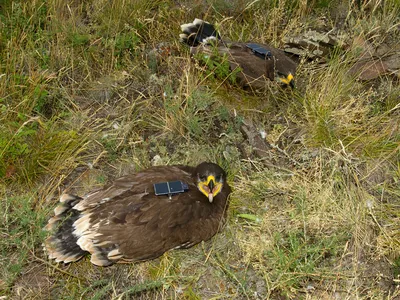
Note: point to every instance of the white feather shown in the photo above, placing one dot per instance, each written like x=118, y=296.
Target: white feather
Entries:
x=60, y=209
x=82, y=225
x=186, y=26
x=198, y=21
x=66, y=198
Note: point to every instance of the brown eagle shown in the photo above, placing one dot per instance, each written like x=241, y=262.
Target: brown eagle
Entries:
x=127, y=221
x=255, y=62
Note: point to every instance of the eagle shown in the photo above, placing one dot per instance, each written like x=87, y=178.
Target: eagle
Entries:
x=140, y=216
x=254, y=62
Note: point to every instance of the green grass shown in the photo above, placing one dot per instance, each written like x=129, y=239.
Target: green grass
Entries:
x=85, y=96
x=23, y=219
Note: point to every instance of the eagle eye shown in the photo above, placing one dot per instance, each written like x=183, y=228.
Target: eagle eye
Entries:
x=202, y=178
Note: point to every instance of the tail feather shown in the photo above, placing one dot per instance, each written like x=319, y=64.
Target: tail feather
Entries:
x=198, y=32
x=62, y=244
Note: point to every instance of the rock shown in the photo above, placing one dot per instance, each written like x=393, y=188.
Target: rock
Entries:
x=375, y=61
x=261, y=147
x=313, y=44
x=368, y=70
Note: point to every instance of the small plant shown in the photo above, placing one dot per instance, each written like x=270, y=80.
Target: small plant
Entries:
x=30, y=148
x=79, y=39
x=22, y=228
x=126, y=42
x=217, y=65
x=295, y=259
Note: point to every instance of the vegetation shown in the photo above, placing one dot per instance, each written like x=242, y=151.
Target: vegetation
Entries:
x=91, y=90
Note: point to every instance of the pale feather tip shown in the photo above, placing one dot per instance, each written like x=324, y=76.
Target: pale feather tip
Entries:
x=186, y=26
x=60, y=209
x=67, y=198
x=198, y=21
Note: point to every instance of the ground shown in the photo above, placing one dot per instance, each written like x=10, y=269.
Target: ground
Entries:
x=92, y=90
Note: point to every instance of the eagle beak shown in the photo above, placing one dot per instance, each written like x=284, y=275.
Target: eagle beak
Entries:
x=288, y=80
x=210, y=188
x=211, y=185
x=291, y=83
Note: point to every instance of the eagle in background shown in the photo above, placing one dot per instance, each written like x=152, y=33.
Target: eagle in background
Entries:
x=255, y=62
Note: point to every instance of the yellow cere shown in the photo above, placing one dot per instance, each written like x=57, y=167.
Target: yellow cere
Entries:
x=288, y=79
x=203, y=187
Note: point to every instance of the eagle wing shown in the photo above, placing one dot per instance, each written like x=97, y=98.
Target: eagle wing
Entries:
x=127, y=221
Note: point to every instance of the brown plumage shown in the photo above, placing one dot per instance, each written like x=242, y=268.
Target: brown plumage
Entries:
x=256, y=68
x=126, y=221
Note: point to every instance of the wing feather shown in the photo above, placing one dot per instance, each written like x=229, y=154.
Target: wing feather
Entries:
x=148, y=233
x=137, y=183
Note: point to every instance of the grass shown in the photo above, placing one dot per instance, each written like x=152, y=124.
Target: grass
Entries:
x=91, y=90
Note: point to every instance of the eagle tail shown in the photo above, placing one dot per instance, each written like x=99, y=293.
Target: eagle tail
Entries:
x=198, y=32
x=62, y=245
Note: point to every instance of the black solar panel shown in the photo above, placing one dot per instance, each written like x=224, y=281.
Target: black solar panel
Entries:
x=259, y=50
x=170, y=188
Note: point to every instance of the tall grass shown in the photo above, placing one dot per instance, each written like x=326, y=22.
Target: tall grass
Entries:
x=90, y=90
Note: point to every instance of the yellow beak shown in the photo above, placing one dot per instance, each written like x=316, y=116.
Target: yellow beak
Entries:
x=289, y=80
x=210, y=188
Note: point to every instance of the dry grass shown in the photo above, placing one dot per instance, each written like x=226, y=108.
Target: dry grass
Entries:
x=86, y=95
